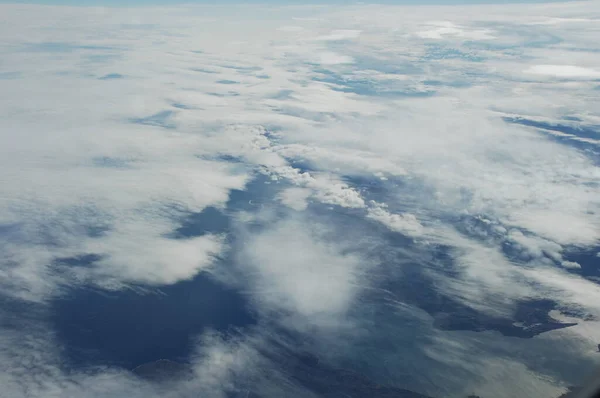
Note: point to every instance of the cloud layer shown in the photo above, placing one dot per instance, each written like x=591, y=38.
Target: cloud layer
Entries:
x=384, y=173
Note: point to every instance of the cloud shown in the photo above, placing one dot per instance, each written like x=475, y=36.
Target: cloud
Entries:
x=351, y=160
x=168, y=261
x=123, y=213
x=570, y=264
x=296, y=271
x=441, y=29
x=342, y=34
x=359, y=120
x=535, y=247
x=295, y=198
x=498, y=371
x=564, y=71
x=403, y=223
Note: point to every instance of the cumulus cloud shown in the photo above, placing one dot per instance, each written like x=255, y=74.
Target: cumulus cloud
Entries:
x=404, y=223
x=297, y=271
x=571, y=264
x=168, y=261
x=296, y=198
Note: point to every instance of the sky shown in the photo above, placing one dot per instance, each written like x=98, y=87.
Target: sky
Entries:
x=111, y=3
x=338, y=168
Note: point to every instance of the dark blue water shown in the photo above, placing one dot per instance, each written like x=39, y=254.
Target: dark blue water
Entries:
x=578, y=131
x=142, y=324
x=415, y=284
x=588, y=258
x=131, y=327
x=208, y=221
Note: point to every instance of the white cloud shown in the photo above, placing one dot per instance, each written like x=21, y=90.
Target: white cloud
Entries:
x=562, y=227
x=352, y=161
x=331, y=58
x=564, y=71
x=166, y=261
x=296, y=198
x=571, y=265
x=442, y=29
x=109, y=167
x=290, y=28
x=568, y=288
x=407, y=224
x=126, y=193
x=534, y=246
x=296, y=270
x=332, y=192
x=342, y=34
x=502, y=377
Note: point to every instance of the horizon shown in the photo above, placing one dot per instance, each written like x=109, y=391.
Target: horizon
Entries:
x=137, y=3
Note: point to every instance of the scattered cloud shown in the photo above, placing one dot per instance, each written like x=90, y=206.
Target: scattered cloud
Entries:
x=570, y=264
x=297, y=272
x=334, y=129
x=296, y=198
x=403, y=223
